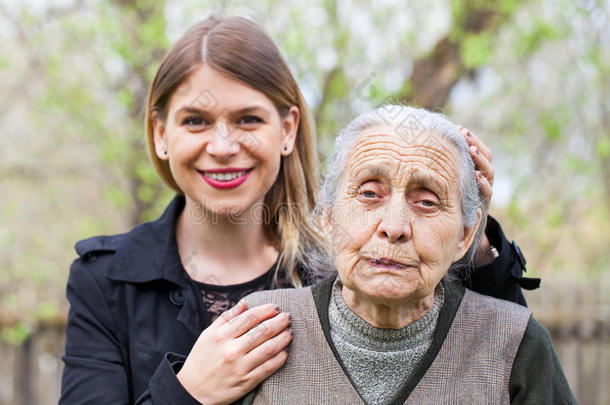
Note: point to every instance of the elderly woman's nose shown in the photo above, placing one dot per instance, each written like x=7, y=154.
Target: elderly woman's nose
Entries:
x=395, y=226
x=222, y=145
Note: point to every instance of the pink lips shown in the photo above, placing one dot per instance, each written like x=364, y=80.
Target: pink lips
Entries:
x=225, y=184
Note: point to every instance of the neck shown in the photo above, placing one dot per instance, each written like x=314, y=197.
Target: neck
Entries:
x=223, y=243
x=388, y=315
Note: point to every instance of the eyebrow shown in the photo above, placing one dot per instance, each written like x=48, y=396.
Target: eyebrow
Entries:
x=373, y=171
x=189, y=109
x=426, y=179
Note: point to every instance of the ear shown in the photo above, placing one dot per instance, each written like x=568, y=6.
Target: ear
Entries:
x=326, y=222
x=159, y=136
x=290, y=127
x=467, y=238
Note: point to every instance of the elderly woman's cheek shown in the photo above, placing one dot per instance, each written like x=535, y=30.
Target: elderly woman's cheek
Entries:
x=347, y=262
x=428, y=277
x=431, y=240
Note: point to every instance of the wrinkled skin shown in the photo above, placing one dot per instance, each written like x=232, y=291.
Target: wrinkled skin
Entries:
x=398, y=209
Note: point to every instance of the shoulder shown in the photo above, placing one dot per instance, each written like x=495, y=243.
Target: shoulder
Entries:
x=537, y=376
x=95, y=256
x=536, y=342
x=98, y=254
x=490, y=305
x=537, y=336
x=286, y=298
x=91, y=248
x=504, y=320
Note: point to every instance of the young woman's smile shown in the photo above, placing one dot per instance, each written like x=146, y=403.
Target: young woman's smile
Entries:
x=230, y=177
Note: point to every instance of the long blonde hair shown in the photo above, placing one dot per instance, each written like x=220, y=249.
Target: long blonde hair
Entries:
x=241, y=49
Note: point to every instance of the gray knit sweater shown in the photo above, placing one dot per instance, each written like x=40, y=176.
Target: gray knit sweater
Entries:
x=379, y=360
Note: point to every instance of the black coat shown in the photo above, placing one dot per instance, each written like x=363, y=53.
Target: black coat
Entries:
x=135, y=313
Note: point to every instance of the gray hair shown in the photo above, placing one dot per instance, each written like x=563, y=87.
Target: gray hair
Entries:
x=411, y=124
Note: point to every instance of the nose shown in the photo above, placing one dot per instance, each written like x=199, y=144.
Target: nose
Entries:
x=222, y=145
x=395, y=224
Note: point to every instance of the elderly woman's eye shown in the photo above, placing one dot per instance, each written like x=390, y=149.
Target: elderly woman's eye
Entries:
x=428, y=204
x=369, y=194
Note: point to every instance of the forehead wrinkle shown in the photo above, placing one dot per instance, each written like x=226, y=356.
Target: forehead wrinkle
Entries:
x=437, y=148
x=373, y=169
x=369, y=145
x=360, y=159
x=395, y=152
x=446, y=166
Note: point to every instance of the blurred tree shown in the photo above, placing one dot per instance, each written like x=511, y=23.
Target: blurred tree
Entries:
x=531, y=77
x=141, y=44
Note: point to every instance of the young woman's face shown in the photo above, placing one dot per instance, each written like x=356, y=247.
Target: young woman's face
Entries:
x=224, y=141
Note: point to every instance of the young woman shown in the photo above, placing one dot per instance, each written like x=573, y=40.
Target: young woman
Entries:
x=229, y=131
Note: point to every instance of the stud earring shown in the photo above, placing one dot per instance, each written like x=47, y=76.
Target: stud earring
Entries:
x=285, y=148
x=164, y=153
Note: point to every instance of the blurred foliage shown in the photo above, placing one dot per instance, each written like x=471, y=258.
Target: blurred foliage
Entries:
x=532, y=78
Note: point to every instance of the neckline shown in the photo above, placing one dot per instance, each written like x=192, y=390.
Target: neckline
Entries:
x=391, y=339
x=453, y=296
x=265, y=277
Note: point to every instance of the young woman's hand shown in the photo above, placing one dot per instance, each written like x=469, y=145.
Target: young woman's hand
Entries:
x=484, y=172
x=235, y=353
x=481, y=155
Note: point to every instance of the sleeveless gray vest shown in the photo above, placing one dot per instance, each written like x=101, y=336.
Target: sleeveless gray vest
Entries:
x=473, y=365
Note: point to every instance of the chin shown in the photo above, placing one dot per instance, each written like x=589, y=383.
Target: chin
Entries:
x=214, y=208
x=229, y=208
x=389, y=288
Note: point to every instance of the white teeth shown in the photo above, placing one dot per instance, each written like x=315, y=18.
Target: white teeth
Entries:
x=224, y=176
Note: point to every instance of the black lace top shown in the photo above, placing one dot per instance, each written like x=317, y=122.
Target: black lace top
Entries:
x=219, y=298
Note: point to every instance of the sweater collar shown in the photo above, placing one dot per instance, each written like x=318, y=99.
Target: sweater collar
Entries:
x=453, y=296
x=360, y=333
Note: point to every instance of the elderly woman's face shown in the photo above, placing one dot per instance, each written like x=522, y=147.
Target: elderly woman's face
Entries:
x=397, y=223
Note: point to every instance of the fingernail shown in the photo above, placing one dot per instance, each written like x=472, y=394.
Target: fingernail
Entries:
x=478, y=153
x=276, y=307
x=473, y=149
x=289, y=315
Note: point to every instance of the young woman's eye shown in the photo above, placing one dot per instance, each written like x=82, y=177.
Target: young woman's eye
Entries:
x=193, y=122
x=249, y=120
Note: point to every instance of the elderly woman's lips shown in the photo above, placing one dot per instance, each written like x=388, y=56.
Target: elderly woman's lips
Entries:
x=387, y=263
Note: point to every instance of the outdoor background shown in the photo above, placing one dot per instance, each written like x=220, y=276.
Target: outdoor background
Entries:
x=531, y=78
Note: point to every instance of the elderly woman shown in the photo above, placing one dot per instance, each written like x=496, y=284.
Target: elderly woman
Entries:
x=389, y=326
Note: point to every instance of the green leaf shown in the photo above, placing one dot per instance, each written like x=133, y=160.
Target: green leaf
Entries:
x=47, y=310
x=4, y=62
x=532, y=40
x=118, y=197
x=476, y=50
x=145, y=193
x=552, y=127
x=602, y=146
x=16, y=334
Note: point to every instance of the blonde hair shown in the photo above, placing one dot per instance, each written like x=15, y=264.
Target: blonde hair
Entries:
x=241, y=49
